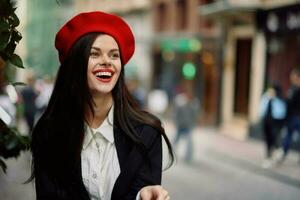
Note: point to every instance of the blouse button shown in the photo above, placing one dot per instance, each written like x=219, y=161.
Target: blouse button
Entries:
x=94, y=175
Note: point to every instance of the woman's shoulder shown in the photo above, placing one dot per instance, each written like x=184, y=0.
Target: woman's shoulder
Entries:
x=146, y=119
x=149, y=128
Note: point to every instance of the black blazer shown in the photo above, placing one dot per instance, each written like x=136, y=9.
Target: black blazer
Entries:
x=137, y=170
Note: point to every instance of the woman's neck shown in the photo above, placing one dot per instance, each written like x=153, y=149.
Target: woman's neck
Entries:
x=101, y=109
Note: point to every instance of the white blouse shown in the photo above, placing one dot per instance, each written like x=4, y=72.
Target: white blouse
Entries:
x=99, y=160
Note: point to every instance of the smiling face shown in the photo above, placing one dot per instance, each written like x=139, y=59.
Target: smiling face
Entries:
x=104, y=65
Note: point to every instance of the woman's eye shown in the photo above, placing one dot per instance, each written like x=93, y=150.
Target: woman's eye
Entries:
x=94, y=54
x=115, y=55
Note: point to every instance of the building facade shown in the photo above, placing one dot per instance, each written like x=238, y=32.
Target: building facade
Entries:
x=183, y=40
x=44, y=18
x=251, y=55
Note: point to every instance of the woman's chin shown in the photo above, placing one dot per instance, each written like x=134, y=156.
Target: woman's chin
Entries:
x=101, y=91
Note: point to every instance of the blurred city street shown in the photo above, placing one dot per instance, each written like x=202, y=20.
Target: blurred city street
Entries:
x=223, y=75
x=226, y=168
x=222, y=169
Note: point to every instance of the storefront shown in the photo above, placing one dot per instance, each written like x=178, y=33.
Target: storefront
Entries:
x=282, y=32
x=190, y=59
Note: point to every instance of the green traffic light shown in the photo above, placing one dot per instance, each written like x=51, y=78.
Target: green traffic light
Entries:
x=189, y=70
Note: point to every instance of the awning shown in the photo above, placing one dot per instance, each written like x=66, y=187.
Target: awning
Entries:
x=180, y=44
x=225, y=7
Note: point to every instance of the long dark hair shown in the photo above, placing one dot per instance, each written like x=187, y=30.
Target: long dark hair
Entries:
x=58, y=136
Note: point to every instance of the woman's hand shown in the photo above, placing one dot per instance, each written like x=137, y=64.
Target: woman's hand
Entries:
x=154, y=192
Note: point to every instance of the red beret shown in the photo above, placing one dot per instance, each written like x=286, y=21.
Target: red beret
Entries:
x=97, y=21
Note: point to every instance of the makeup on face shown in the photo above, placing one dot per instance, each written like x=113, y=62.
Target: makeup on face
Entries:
x=104, y=75
x=104, y=66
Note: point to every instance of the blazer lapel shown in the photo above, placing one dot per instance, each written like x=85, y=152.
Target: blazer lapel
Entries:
x=77, y=183
x=130, y=159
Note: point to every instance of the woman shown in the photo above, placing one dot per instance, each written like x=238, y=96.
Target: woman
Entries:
x=272, y=113
x=93, y=141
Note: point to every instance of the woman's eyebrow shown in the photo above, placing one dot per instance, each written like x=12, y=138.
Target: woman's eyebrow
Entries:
x=96, y=48
x=112, y=50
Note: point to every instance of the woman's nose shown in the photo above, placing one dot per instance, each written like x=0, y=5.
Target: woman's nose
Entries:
x=105, y=60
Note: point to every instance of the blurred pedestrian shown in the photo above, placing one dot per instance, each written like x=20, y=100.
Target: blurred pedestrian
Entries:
x=158, y=102
x=293, y=113
x=136, y=91
x=186, y=111
x=272, y=113
x=28, y=96
x=93, y=141
x=44, y=88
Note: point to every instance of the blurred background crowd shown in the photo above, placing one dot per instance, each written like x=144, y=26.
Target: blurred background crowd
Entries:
x=221, y=74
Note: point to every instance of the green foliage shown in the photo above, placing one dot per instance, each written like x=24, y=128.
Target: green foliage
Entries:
x=11, y=143
x=9, y=36
x=16, y=60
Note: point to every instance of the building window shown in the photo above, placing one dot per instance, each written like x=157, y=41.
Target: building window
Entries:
x=202, y=2
x=181, y=14
x=161, y=17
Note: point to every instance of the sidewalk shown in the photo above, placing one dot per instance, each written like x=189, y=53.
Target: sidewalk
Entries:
x=12, y=185
x=248, y=154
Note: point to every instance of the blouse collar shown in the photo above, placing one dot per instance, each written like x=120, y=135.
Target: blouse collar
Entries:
x=105, y=130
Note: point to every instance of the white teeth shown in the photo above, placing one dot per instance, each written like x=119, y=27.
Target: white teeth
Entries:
x=103, y=74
